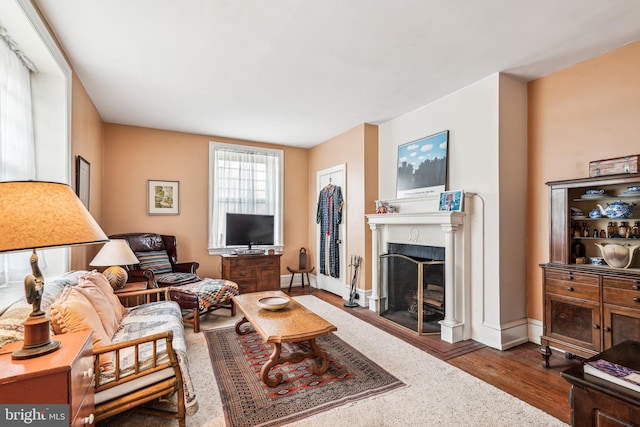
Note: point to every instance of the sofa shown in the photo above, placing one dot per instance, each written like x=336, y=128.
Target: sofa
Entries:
x=153, y=330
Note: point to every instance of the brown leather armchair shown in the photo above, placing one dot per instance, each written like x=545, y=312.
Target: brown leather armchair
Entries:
x=158, y=269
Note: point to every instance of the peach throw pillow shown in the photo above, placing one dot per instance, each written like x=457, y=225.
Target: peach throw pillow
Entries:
x=73, y=312
x=101, y=304
x=100, y=280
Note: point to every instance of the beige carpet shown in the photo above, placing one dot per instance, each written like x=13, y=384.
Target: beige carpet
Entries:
x=437, y=394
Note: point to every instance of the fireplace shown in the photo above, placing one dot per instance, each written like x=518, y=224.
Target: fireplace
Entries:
x=426, y=229
x=414, y=278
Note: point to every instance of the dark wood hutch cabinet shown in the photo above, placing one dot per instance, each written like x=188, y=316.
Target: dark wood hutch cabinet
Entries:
x=588, y=308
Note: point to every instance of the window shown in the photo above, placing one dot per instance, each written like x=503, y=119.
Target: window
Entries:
x=42, y=150
x=247, y=180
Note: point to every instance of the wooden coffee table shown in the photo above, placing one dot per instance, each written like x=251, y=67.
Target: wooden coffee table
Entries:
x=291, y=324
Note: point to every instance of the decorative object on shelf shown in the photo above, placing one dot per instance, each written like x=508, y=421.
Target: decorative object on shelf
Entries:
x=595, y=214
x=163, y=197
x=595, y=192
x=451, y=201
x=384, y=207
x=617, y=209
x=112, y=255
x=38, y=215
x=617, y=256
x=623, y=229
x=593, y=196
x=596, y=260
x=577, y=212
x=632, y=191
x=422, y=166
x=620, y=165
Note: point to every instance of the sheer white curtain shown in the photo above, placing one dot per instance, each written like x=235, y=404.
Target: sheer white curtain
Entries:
x=243, y=180
x=17, y=158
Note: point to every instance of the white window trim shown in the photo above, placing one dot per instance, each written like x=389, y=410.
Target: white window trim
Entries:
x=279, y=242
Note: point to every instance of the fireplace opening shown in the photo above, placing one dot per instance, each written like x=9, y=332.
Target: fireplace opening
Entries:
x=415, y=278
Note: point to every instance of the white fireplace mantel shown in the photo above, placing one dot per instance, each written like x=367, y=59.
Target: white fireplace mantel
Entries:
x=444, y=229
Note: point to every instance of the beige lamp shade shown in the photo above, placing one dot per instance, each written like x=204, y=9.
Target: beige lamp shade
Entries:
x=36, y=214
x=33, y=215
x=114, y=254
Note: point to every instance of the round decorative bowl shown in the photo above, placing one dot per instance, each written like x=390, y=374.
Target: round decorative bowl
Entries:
x=273, y=303
x=596, y=260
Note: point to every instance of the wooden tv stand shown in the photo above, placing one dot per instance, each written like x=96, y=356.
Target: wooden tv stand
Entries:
x=252, y=273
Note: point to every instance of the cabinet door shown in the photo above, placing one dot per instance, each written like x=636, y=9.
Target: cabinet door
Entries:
x=573, y=321
x=620, y=324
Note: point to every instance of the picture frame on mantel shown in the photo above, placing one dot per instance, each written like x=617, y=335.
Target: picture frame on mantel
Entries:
x=83, y=180
x=163, y=197
x=451, y=201
x=422, y=166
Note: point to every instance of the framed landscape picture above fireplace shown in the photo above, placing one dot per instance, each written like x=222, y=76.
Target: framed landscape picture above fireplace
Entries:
x=422, y=166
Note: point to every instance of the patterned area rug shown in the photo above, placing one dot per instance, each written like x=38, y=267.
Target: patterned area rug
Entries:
x=248, y=401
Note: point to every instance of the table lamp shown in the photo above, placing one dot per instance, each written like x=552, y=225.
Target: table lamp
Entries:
x=114, y=254
x=37, y=215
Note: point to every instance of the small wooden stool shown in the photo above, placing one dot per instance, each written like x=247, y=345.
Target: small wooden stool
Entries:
x=302, y=268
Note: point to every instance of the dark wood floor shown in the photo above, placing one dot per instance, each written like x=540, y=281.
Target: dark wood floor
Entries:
x=517, y=371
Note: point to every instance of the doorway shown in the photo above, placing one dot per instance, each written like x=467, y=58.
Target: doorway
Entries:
x=335, y=175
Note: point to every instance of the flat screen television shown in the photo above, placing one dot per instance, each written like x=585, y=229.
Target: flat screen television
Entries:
x=249, y=230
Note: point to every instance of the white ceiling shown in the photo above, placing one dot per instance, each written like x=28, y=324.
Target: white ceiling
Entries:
x=299, y=72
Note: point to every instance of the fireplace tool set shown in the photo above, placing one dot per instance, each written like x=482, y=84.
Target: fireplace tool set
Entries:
x=354, y=265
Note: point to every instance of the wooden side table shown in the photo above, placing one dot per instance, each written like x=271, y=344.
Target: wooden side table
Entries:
x=130, y=287
x=62, y=377
x=597, y=402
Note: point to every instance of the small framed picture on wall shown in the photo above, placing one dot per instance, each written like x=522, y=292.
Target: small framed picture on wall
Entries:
x=163, y=197
x=83, y=180
x=451, y=201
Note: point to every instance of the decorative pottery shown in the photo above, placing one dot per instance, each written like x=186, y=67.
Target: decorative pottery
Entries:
x=634, y=188
x=617, y=209
x=576, y=212
x=596, y=260
x=618, y=256
x=273, y=303
x=595, y=213
x=593, y=192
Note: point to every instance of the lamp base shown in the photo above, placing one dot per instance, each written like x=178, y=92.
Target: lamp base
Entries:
x=117, y=276
x=37, y=341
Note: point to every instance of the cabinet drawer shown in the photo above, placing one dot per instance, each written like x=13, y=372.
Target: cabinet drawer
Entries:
x=250, y=261
x=623, y=297
x=573, y=289
x=244, y=273
x=621, y=283
x=246, y=286
x=589, y=279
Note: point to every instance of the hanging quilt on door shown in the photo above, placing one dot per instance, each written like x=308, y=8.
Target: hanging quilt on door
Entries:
x=329, y=216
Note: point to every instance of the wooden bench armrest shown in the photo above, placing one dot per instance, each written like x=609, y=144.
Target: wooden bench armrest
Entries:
x=143, y=296
x=138, y=371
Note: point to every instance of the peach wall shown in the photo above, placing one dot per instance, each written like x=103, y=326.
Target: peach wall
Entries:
x=354, y=148
x=86, y=141
x=134, y=155
x=583, y=113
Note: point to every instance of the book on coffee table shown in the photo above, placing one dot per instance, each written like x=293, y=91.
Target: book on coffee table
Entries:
x=625, y=376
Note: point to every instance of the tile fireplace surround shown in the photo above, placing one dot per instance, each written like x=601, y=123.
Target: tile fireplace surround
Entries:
x=429, y=228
